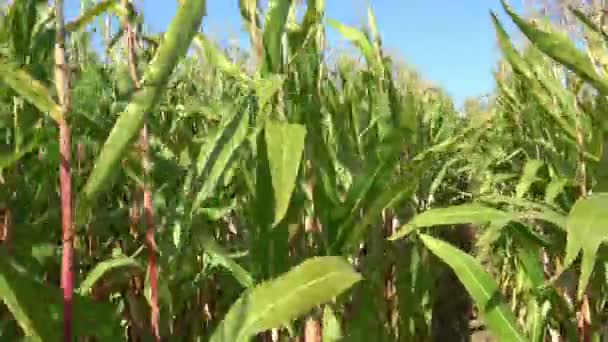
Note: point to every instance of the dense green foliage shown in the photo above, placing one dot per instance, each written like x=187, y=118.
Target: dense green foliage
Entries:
x=294, y=193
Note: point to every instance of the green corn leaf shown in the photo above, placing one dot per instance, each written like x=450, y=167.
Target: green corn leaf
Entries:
x=266, y=88
x=388, y=199
x=547, y=215
x=602, y=170
x=121, y=266
x=38, y=309
x=439, y=179
x=373, y=26
x=311, y=25
x=274, y=28
x=220, y=255
x=528, y=177
x=8, y=159
x=528, y=257
x=217, y=59
x=554, y=188
x=509, y=51
x=521, y=66
x=483, y=289
x=97, y=10
x=215, y=158
x=173, y=47
x=587, y=229
x=361, y=190
x=285, y=145
x=277, y=302
x=357, y=38
x=473, y=213
x=558, y=46
x=28, y=87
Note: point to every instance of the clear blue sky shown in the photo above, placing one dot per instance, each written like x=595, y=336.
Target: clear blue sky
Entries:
x=450, y=42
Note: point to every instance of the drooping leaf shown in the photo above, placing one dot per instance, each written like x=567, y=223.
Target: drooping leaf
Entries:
x=28, y=87
x=473, y=213
x=122, y=266
x=357, y=38
x=285, y=145
x=217, y=59
x=220, y=256
x=483, y=289
x=173, y=47
x=100, y=8
x=275, y=303
x=587, y=229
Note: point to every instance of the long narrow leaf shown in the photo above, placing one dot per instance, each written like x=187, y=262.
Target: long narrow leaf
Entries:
x=174, y=46
x=457, y=214
x=274, y=28
x=285, y=145
x=103, y=270
x=481, y=287
x=28, y=87
x=97, y=10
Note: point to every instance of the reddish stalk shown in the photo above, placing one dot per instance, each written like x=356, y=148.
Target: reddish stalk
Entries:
x=65, y=173
x=147, y=192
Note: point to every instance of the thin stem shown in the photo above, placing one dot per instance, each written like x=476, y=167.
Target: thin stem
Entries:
x=584, y=316
x=148, y=205
x=65, y=176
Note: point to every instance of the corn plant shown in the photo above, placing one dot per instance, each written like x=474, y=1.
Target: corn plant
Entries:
x=281, y=194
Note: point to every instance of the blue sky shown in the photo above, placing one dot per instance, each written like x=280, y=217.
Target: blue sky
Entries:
x=450, y=42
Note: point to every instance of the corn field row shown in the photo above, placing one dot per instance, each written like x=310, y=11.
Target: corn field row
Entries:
x=167, y=189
